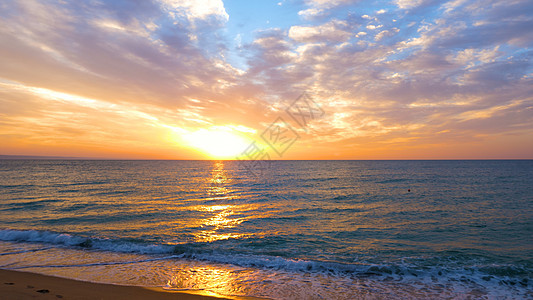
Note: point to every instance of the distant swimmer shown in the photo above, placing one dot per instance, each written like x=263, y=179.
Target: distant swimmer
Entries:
x=409, y=190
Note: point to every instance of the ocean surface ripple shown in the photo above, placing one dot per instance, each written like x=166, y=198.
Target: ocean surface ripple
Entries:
x=291, y=230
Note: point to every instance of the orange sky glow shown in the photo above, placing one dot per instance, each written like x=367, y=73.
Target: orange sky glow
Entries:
x=202, y=80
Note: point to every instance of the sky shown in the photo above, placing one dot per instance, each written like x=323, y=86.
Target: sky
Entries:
x=286, y=79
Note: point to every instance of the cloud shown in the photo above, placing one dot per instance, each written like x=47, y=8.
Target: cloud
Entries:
x=138, y=72
x=330, y=31
x=133, y=56
x=385, y=33
x=473, y=56
x=406, y=4
x=320, y=8
x=311, y=13
x=116, y=54
x=328, y=3
x=197, y=9
x=417, y=84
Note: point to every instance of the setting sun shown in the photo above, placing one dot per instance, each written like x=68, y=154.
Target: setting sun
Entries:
x=218, y=142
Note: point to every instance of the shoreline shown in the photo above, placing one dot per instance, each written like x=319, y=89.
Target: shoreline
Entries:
x=25, y=285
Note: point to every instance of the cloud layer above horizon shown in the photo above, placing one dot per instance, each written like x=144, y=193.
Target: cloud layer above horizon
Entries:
x=396, y=79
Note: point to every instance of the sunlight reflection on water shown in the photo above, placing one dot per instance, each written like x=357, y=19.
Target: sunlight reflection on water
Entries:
x=313, y=229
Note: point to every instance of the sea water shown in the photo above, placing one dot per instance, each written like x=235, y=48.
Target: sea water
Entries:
x=275, y=229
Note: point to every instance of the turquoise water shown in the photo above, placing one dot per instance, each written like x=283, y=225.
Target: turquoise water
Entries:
x=299, y=230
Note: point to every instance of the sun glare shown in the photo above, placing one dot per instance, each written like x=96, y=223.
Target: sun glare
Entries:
x=218, y=142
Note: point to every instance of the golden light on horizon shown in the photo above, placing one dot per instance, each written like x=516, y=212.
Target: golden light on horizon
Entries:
x=217, y=142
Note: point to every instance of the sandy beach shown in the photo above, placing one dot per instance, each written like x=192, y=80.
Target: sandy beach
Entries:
x=23, y=285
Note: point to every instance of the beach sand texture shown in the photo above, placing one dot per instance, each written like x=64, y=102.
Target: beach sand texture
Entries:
x=23, y=285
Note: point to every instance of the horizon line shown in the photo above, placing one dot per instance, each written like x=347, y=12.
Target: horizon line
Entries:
x=45, y=157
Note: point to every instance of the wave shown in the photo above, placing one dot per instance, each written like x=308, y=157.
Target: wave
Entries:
x=65, y=239
x=205, y=252
x=493, y=279
x=194, y=251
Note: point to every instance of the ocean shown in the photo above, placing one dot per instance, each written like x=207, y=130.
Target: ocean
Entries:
x=278, y=229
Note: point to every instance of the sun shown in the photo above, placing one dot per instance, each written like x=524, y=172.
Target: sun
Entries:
x=218, y=142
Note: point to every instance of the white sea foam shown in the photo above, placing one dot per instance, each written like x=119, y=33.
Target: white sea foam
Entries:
x=66, y=239
x=40, y=236
x=307, y=278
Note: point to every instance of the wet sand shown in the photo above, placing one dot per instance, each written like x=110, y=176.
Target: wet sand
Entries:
x=23, y=285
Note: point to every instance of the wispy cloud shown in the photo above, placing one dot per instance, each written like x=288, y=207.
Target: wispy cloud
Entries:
x=407, y=76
